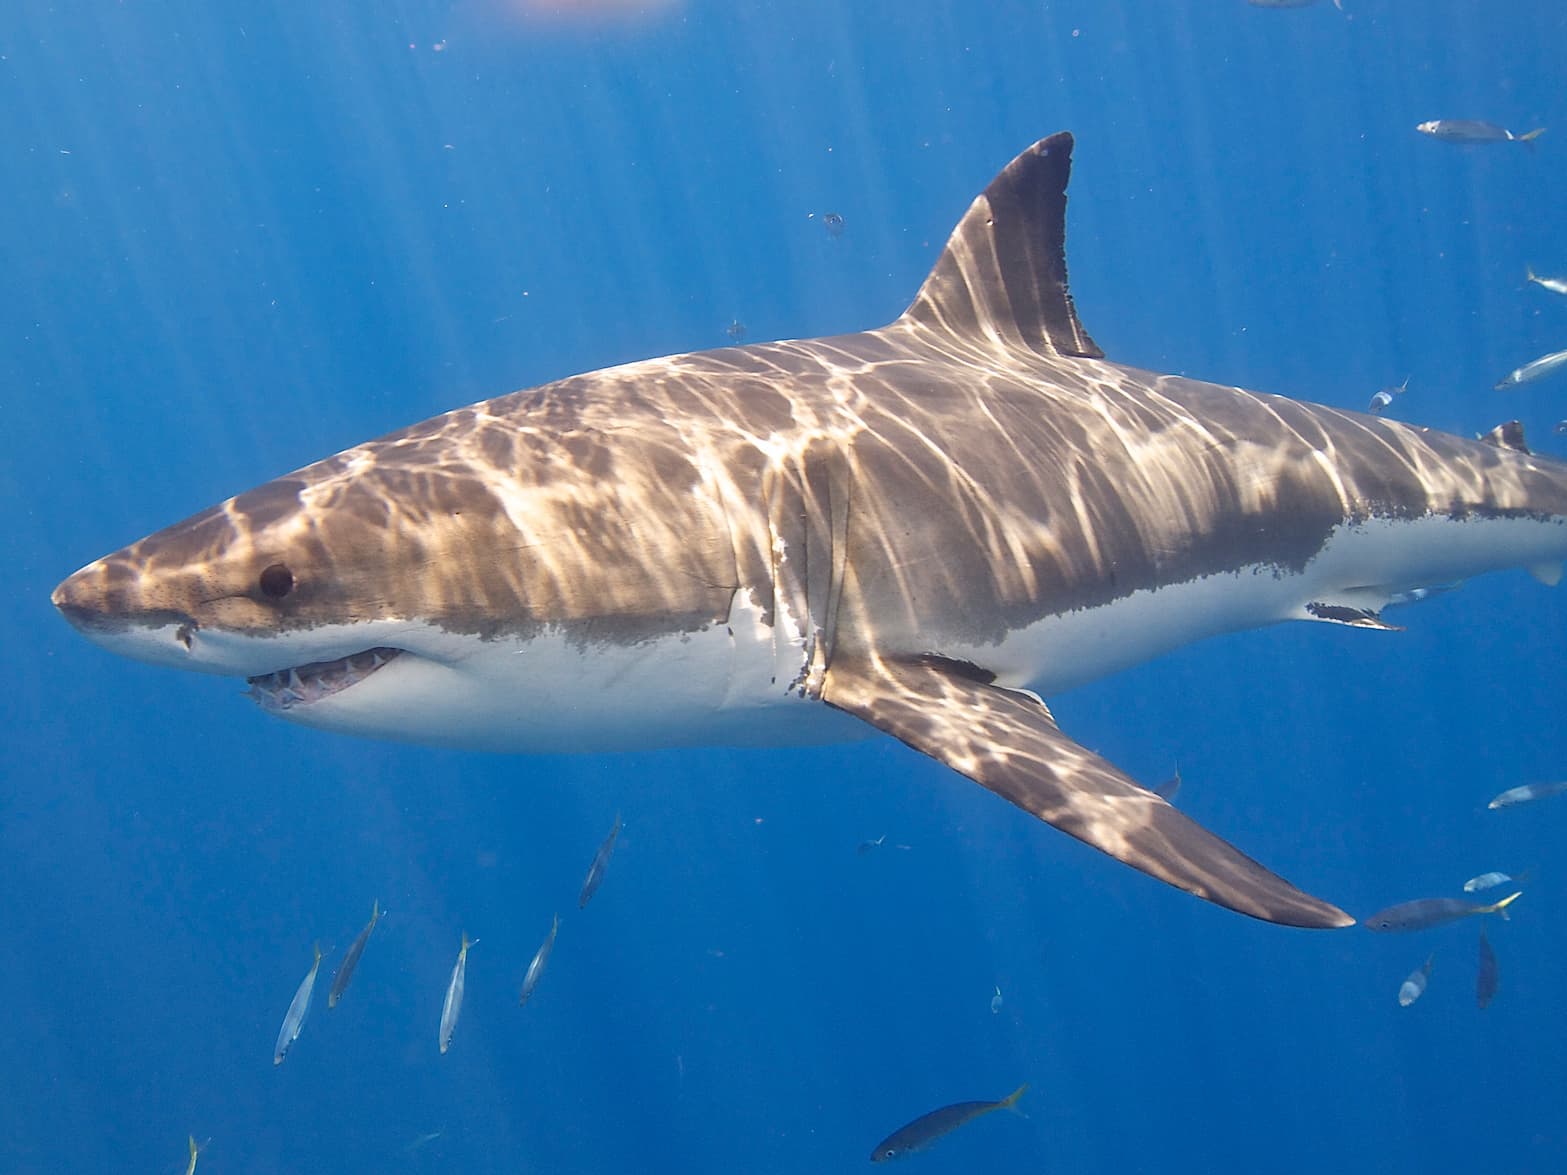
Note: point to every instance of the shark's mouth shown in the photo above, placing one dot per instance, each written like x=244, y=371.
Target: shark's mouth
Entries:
x=305, y=684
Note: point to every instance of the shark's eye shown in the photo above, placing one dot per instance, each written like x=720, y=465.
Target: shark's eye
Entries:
x=277, y=581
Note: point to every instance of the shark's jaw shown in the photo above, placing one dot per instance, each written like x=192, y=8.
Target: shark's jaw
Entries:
x=305, y=685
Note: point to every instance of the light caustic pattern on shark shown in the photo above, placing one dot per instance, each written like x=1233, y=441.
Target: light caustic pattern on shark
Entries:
x=915, y=525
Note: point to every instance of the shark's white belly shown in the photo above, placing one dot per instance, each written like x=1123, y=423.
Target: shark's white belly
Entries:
x=725, y=685
x=1362, y=565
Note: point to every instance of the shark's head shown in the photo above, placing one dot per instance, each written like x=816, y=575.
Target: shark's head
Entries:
x=304, y=585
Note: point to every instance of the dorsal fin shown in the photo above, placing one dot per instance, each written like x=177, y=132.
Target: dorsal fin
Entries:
x=1003, y=272
x=1507, y=435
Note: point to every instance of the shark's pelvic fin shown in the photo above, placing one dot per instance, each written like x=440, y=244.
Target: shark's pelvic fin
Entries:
x=1003, y=272
x=1009, y=742
x=1350, y=614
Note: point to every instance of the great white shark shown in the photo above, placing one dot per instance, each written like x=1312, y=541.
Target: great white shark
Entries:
x=918, y=530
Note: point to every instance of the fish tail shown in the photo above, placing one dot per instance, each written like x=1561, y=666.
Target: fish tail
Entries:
x=1010, y=1101
x=1531, y=136
x=375, y=910
x=318, y=950
x=1501, y=906
x=1529, y=274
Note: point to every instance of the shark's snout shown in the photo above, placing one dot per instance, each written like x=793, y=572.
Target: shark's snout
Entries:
x=106, y=596
x=71, y=598
x=107, y=602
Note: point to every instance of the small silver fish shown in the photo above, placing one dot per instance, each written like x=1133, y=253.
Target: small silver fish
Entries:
x=1486, y=881
x=1384, y=398
x=452, y=1007
x=927, y=1128
x=995, y=1002
x=1428, y=912
x=194, y=1151
x=595, y=877
x=530, y=980
x=298, y=1009
x=1557, y=285
x=1470, y=130
x=1532, y=370
x=1415, y=986
x=1528, y=793
x=345, y=970
x=423, y=1140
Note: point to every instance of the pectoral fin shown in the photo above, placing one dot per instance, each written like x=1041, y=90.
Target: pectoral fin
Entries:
x=1009, y=742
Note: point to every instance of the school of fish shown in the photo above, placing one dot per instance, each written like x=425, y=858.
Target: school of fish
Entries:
x=452, y=1002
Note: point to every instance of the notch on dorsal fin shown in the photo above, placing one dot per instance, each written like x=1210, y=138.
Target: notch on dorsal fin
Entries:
x=1507, y=435
x=1003, y=272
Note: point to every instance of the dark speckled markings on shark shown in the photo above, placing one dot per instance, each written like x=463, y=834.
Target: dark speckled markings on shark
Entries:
x=909, y=530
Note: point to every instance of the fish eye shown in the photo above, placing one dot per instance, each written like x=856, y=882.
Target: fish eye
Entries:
x=277, y=581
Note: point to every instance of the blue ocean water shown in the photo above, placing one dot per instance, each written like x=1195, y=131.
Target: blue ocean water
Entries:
x=240, y=237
